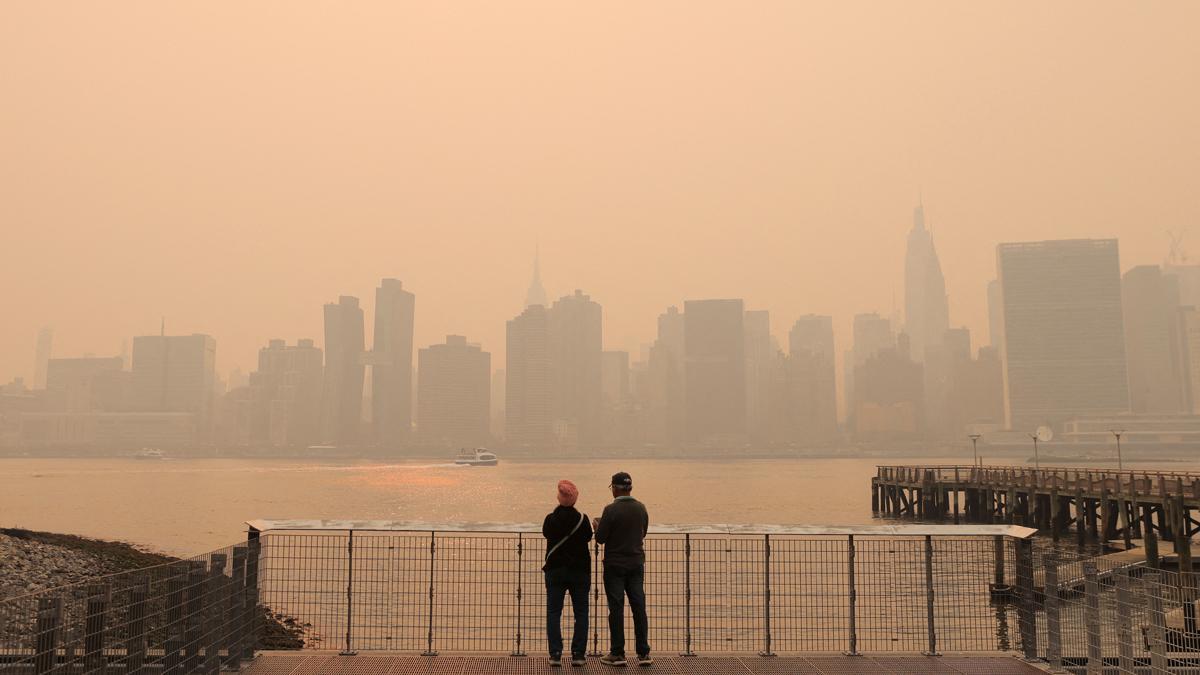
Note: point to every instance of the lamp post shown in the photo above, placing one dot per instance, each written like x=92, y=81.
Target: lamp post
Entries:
x=1117, y=433
x=975, y=446
x=1037, y=463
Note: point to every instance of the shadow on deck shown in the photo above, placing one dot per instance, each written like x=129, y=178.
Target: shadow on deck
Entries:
x=378, y=664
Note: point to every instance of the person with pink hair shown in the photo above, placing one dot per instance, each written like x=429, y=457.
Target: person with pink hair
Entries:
x=568, y=569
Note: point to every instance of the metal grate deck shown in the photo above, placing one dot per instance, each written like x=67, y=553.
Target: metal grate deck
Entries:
x=321, y=664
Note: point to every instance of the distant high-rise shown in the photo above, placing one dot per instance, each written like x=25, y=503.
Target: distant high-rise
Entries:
x=527, y=414
x=391, y=359
x=926, y=310
x=872, y=334
x=889, y=394
x=811, y=378
x=342, y=389
x=664, y=387
x=1150, y=302
x=536, y=295
x=175, y=373
x=760, y=362
x=285, y=395
x=453, y=393
x=1064, y=342
x=45, y=348
x=576, y=344
x=714, y=371
x=86, y=384
x=1189, y=337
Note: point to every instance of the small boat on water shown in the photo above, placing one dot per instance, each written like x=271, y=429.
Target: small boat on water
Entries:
x=476, y=457
x=150, y=453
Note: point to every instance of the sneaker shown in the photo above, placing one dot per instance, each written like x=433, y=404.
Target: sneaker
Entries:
x=612, y=660
x=578, y=661
x=645, y=661
x=555, y=660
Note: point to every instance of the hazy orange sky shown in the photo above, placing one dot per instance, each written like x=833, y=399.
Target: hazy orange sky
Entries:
x=233, y=166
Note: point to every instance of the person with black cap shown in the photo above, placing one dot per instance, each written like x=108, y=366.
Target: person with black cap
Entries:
x=621, y=529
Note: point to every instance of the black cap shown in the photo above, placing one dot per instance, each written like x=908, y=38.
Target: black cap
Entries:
x=622, y=480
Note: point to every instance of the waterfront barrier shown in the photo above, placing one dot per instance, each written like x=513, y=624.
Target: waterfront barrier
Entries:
x=359, y=586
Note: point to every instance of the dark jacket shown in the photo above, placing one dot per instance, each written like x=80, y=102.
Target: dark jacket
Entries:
x=622, y=529
x=573, y=554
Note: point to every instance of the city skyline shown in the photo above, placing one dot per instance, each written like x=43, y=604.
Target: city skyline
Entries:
x=772, y=155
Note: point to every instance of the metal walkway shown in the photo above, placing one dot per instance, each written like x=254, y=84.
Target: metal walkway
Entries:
x=275, y=663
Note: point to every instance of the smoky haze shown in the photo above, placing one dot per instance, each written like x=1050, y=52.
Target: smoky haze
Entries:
x=235, y=167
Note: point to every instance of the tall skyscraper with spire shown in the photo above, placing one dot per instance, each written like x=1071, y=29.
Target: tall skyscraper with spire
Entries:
x=926, y=309
x=537, y=293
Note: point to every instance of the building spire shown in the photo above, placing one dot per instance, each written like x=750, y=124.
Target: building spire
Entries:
x=537, y=293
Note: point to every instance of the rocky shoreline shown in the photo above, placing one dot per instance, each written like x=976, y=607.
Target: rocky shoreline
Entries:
x=31, y=562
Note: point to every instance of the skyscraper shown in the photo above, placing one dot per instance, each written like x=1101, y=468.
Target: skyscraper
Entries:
x=1150, y=303
x=285, y=396
x=715, y=371
x=812, y=382
x=926, y=310
x=342, y=389
x=995, y=315
x=1064, y=342
x=175, y=373
x=453, y=393
x=86, y=384
x=391, y=359
x=527, y=414
x=576, y=345
x=872, y=334
x=664, y=388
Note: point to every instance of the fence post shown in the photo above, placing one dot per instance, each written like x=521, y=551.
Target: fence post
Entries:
x=193, y=616
x=237, y=617
x=1026, y=612
x=597, y=580
x=850, y=554
x=520, y=553
x=1157, y=635
x=98, y=598
x=250, y=617
x=1053, y=614
x=429, y=651
x=214, y=607
x=176, y=622
x=766, y=597
x=1124, y=623
x=687, y=596
x=930, y=624
x=49, y=622
x=999, y=584
x=1091, y=618
x=348, y=650
x=135, y=639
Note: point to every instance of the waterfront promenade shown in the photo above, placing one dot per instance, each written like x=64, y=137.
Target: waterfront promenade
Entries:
x=275, y=663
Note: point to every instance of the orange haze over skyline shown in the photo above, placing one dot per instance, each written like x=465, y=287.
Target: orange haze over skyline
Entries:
x=233, y=167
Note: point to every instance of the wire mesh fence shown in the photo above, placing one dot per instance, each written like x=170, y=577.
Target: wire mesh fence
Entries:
x=192, y=616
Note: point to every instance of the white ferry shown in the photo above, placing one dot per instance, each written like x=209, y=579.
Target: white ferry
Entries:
x=150, y=453
x=476, y=457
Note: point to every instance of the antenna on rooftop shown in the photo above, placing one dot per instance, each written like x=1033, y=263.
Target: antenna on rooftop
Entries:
x=1177, y=255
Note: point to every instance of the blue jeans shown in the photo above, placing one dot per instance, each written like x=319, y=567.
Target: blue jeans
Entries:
x=558, y=582
x=619, y=582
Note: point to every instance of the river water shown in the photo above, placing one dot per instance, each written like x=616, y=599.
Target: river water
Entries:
x=189, y=506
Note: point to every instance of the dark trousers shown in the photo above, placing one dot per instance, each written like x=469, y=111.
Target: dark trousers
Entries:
x=619, y=582
x=559, y=582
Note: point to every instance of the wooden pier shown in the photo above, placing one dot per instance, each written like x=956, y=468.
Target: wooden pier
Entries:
x=1098, y=505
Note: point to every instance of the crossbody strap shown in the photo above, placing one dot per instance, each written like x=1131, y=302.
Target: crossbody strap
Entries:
x=582, y=517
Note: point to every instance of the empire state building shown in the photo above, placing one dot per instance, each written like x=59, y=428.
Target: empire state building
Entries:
x=926, y=310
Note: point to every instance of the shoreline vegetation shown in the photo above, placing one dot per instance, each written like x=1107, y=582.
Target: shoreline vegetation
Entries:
x=33, y=562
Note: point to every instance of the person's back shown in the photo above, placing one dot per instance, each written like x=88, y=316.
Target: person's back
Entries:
x=622, y=530
x=568, y=569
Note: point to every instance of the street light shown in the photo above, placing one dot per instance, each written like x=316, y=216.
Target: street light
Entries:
x=1117, y=433
x=1037, y=463
x=975, y=446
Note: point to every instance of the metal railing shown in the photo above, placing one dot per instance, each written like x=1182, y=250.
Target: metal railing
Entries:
x=192, y=616
x=374, y=586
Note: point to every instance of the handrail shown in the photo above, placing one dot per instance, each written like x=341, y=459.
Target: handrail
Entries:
x=898, y=530
x=1044, y=469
